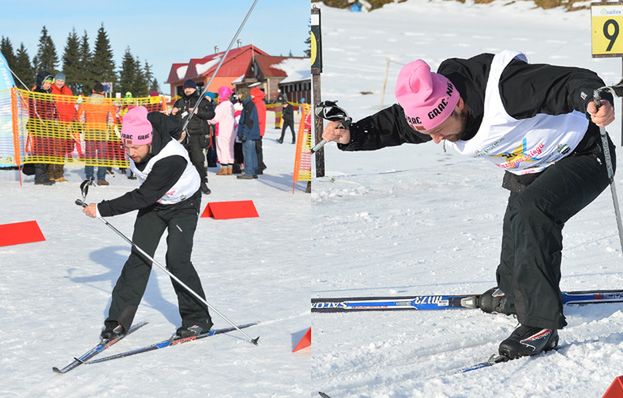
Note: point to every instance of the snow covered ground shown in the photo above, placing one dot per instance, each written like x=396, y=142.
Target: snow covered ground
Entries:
x=416, y=220
x=54, y=294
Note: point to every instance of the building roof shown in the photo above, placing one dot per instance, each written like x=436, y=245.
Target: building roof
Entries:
x=238, y=63
x=296, y=69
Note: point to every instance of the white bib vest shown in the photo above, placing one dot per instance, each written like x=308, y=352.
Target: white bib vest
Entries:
x=188, y=183
x=520, y=146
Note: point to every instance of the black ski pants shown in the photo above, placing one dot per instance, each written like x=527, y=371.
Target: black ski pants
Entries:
x=529, y=270
x=197, y=157
x=149, y=226
x=287, y=123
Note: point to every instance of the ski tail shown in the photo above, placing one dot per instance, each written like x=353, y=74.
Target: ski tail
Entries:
x=96, y=350
x=592, y=297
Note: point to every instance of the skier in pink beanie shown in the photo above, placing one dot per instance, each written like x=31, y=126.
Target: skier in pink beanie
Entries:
x=136, y=129
x=168, y=199
x=537, y=123
x=427, y=98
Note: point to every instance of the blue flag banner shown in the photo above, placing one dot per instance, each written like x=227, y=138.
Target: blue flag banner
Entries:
x=6, y=129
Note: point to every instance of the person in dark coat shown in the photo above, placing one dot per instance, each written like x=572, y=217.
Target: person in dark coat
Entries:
x=288, y=121
x=197, y=129
x=167, y=199
x=538, y=123
x=42, y=115
x=248, y=134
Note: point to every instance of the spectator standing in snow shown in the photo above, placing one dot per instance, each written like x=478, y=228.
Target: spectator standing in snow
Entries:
x=98, y=114
x=258, y=99
x=224, y=123
x=66, y=110
x=41, y=118
x=288, y=121
x=248, y=133
x=197, y=129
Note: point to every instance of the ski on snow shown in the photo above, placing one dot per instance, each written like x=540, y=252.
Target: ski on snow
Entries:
x=496, y=359
x=96, y=350
x=393, y=303
x=168, y=343
x=443, y=302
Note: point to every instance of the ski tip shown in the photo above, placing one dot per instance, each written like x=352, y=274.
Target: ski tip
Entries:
x=255, y=340
x=323, y=395
x=56, y=370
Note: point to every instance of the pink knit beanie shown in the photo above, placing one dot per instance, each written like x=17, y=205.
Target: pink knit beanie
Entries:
x=136, y=129
x=427, y=98
x=224, y=93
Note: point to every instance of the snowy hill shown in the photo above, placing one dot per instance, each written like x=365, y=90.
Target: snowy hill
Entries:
x=54, y=295
x=415, y=220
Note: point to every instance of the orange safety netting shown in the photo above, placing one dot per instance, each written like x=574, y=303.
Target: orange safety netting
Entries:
x=302, y=158
x=61, y=129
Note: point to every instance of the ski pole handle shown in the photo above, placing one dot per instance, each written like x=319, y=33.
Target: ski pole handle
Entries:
x=322, y=143
x=318, y=146
x=79, y=202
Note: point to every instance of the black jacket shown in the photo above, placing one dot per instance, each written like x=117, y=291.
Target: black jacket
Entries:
x=288, y=113
x=526, y=90
x=162, y=177
x=198, y=124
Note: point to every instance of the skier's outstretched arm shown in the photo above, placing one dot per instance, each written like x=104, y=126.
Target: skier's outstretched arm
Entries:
x=388, y=127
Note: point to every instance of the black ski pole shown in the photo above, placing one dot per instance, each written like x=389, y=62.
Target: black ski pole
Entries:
x=175, y=278
x=616, y=90
x=218, y=67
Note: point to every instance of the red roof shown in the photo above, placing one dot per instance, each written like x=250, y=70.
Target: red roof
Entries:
x=237, y=64
x=266, y=62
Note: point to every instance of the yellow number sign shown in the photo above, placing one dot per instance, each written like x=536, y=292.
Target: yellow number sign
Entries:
x=607, y=30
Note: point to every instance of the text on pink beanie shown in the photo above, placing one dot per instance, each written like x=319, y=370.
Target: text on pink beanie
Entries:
x=136, y=129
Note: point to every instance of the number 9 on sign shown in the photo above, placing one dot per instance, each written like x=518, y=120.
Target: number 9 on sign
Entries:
x=606, y=30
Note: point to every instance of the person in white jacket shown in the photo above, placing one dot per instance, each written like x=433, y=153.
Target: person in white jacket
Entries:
x=226, y=133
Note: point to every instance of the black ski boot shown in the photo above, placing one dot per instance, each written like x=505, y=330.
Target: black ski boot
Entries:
x=527, y=340
x=495, y=301
x=205, y=189
x=112, y=330
x=193, y=330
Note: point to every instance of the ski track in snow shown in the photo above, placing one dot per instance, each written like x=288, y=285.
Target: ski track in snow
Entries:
x=416, y=220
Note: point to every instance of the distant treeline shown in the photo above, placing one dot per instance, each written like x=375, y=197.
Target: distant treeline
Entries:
x=82, y=66
x=374, y=4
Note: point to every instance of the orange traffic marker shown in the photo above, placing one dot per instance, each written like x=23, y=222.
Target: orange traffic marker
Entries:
x=616, y=389
x=20, y=232
x=229, y=210
x=304, y=342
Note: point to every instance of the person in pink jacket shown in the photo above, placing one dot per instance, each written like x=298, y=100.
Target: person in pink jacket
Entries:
x=225, y=131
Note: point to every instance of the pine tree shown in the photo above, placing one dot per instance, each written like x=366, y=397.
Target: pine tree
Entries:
x=85, y=77
x=46, y=53
x=71, y=60
x=6, y=48
x=307, y=51
x=154, y=86
x=23, y=68
x=141, y=83
x=103, y=62
x=147, y=77
x=127, y=74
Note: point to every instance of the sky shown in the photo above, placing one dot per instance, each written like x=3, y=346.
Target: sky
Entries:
x=160, y=32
